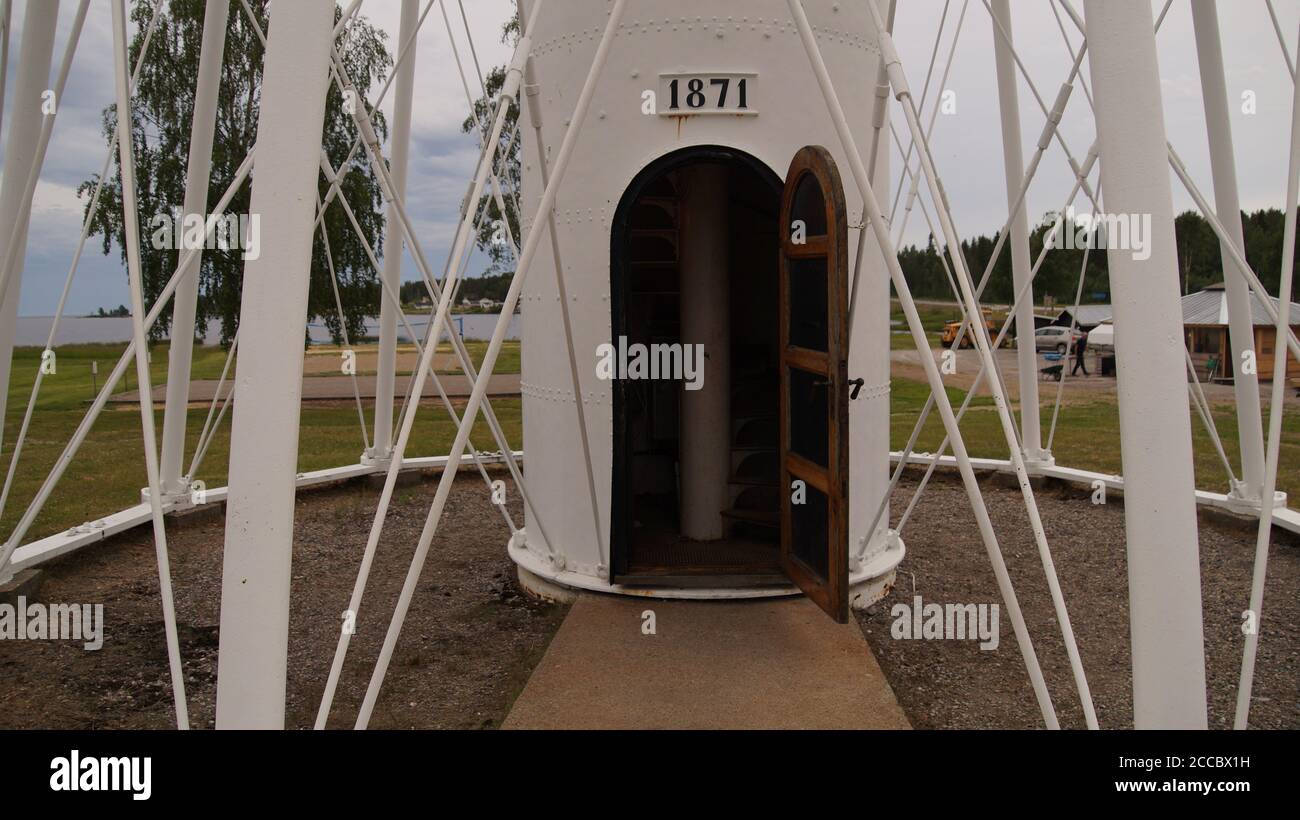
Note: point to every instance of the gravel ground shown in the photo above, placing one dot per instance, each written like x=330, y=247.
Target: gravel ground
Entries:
x=469, y=644
x=472, y=638
x=953, y=684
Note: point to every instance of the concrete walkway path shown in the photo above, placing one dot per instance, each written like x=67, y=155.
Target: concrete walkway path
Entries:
x=772, y=664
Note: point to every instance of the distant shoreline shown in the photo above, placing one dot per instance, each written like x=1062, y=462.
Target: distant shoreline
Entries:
x=33, y=331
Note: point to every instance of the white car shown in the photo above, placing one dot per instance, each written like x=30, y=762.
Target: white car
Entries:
x=1055, y=339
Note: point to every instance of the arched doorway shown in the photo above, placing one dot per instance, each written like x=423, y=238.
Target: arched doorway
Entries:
x=694, y=261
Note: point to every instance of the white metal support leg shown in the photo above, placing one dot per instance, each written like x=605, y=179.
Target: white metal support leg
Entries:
x=1250, y=433
x=34, y=56
x=1155, y=423
x=255, y=584
x=385, y=378
x=184, y=305
x=1031, y=439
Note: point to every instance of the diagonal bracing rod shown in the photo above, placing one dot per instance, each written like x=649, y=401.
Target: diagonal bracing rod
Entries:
x=392, y=300
x=509, y=91
x=1005, y=38
x=494, y=347
x=1044, y=140
x=982, y=344
x=1275, y=410
x=88, y=421
x=131, y=230
x=1025, y=288
x=458, y=345
x=531, y=91
x=343, y=323
x=25, y=151
x=371, y=143
x=878, y=225
x=925, y=93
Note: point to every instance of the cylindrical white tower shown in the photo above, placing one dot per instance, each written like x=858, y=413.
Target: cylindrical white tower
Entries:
x=725, y=98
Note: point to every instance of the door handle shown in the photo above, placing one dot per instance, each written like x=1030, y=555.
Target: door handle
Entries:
x=856, y=384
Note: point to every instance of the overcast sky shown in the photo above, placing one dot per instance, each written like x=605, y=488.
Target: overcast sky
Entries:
x=967, y=144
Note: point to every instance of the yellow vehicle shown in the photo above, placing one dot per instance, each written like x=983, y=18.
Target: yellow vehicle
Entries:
x=950, y=332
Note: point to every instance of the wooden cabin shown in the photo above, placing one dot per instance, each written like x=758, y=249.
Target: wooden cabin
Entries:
x=1205, y=325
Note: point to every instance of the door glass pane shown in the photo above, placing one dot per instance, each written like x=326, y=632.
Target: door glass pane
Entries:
x=809, y=416
x=809, y=532
x=808, y=324
x=809, y=205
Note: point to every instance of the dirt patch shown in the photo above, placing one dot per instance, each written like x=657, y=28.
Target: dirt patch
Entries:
x=953, y=684
x=470, y=641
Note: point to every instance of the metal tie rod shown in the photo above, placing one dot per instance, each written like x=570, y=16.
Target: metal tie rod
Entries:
x=878, y=225
x=494, y=348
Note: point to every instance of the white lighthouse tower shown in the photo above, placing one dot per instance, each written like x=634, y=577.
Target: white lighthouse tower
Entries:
x=703, y=220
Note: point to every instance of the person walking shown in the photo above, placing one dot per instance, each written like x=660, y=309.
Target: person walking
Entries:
x=1080, y=347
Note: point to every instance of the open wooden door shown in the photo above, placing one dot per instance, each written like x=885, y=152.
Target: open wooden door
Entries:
x=814, y=444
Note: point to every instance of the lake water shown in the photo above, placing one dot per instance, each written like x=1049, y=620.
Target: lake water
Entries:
x=33, y=331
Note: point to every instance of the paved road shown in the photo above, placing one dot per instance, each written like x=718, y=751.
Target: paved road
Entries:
x=331, y=388
x=907, y=364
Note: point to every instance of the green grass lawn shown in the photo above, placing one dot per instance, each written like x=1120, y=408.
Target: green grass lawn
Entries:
x=507, y=359
x=73, y=384
x=903, y=341
x=933, y=318
x=907, y=398
x=108, y=472
x=1087, y=437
